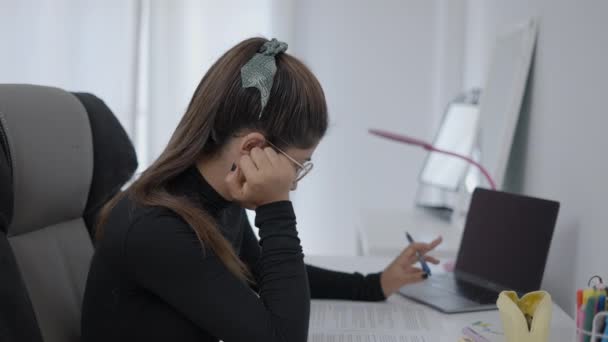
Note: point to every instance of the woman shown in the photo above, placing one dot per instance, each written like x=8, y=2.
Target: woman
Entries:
x=176, y=258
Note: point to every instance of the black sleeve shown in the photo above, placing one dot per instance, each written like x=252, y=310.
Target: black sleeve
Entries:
x=202, y=289
x=324, y=284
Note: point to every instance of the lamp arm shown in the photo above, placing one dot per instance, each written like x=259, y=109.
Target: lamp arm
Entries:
x=429, y=147
x=483, y=170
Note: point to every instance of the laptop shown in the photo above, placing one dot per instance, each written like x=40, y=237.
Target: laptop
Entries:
x=504, y=246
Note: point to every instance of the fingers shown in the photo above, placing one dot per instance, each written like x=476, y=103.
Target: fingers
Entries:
x=413, y=274
x=268, y=159
x=426, y=247
x=419, y=247
x=263, y=176
x=412, y=260
x=260, y=158
x=247, y=167
x=272, y=156
x=408, y=267
x=435, y=242
x=284, y=163
x=235, y=181
x=411, y=269
x=396, y=275
x=409, y=254
x=414, y=277
x=278, y=160
x=422, y=247
x=431, y=259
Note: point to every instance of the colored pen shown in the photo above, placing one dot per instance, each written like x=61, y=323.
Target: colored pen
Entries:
x=588, y=293
x=601, y=303
x=425, y=267
x=600, y=306
x=473, y=335
x=579, y=323
x=589, y=314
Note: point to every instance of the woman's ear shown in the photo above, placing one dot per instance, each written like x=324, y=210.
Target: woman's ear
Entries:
x=251, y=140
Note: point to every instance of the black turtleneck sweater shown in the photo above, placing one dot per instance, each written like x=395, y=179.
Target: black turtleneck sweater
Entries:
x=152, y=280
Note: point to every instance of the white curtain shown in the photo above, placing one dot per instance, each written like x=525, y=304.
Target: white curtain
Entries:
x=76, y=45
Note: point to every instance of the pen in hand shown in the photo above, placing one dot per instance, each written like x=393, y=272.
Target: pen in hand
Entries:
x=420, y=257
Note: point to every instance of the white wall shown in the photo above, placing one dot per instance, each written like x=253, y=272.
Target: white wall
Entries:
x=559, y=149
x=378, y=66
x=184, y=38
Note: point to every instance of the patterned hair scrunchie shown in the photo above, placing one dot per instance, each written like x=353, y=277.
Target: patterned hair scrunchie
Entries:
x=260, y=70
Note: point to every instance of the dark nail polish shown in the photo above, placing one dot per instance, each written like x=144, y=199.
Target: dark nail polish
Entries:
x=425, y=275
x=233, y=167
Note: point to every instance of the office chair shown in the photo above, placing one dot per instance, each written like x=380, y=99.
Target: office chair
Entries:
x=62, y=156
x=17, y=319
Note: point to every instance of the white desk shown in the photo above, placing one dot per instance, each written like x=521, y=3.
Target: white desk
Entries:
x=562, y=326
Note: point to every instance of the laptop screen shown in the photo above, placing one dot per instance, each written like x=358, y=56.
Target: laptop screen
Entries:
x=506, y=239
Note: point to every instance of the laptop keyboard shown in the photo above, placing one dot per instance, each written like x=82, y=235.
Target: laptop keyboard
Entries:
x=470, y=291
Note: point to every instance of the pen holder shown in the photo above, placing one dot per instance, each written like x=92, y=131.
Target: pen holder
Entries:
x=595, y=334
x=525, y=319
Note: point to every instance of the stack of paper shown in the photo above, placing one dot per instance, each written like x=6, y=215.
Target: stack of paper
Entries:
x=346, y=321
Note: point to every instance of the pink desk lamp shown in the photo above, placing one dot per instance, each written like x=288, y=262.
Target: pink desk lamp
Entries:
x=412, y=141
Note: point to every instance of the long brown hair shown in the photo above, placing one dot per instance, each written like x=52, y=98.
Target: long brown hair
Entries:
x=295, y=116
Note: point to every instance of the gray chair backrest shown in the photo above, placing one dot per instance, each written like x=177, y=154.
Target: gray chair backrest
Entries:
x=50, y=141
x=17, y=319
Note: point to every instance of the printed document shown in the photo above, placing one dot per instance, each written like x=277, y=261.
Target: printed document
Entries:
x=347, y=321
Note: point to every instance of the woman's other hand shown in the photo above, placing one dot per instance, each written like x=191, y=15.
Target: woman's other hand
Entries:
x=402, y=270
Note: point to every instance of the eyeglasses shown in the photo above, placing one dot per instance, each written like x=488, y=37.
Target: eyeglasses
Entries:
x=302, y=169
